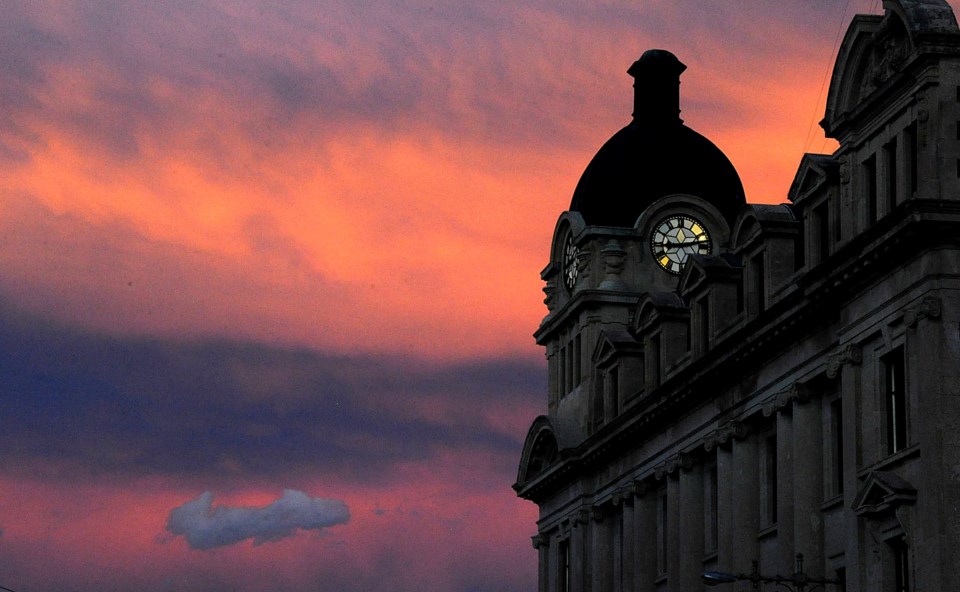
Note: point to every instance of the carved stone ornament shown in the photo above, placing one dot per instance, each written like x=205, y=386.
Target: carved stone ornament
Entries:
x=928, y=308
x=724, y=434
x=581, y=516
x=889, y=52
x=550, y=291
x=844, y=170
x=660, y=471
x=848, y=354
x=616, y=498
x=779, y=401
x=640, y=488
x=540, y=540
x=614, y=258
x=738, y=429
x=711, y=440
x=597, y=513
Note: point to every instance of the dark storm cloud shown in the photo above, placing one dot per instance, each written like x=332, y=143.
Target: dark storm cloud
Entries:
x=207, y=527
x=128, y=406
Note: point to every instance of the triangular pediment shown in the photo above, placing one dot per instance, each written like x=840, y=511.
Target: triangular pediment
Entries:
x=612, y=342
x=814, y=172
x=882, y=493
x=701, y=268
x=654, y=305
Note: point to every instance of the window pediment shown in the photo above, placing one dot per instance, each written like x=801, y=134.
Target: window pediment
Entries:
x=882, y=493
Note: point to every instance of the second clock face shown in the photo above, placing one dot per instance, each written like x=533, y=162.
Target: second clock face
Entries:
x=675, y=238
x=571, y=263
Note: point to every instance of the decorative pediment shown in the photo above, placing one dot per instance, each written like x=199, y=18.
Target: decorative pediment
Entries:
x=702, y=268
x=548, y=440
x=815, y=171
x=757, y=219
x=612, y=343
x=658, y=304
x=883, y=493
x=876, y=49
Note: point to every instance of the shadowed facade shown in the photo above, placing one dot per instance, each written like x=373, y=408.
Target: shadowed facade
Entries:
x=731, y=382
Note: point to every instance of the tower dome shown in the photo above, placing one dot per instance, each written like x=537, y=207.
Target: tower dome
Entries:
x=655, y=155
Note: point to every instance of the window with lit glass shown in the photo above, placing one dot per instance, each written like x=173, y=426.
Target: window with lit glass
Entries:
x=895, y=399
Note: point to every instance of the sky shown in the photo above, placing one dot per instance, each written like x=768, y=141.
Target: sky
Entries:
x=269, y=271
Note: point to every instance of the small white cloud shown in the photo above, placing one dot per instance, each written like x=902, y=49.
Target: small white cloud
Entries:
x=206, y=527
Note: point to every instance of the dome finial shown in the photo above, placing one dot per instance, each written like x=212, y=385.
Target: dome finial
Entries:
x=656, y=87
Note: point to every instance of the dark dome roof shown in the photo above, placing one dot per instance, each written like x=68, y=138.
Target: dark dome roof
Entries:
x=654, y=156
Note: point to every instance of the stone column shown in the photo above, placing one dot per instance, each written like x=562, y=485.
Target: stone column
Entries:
x=579, y=558
x=727, y=490
x=601, y=566
x=785, y=551
x=690, y=536
x=541, y=544
x=645, y=531
x=616, y=545
x=673, y=532
x=745, y=504
x=629, y=539
x=849, y=372
x=808, y=481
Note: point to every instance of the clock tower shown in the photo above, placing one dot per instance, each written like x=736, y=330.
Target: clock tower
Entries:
x=655, y=196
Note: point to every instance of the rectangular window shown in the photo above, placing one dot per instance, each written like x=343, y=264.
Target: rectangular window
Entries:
x=569, y=350
x=655, y=357
x=870, y=187
x=576, y=361
x=896, y=400
x=562, y=371
x=912, y=162
x=615, y=389
x=890, y=157
x=703, y=322
x=740, y=296
x=662, y=531
x=711, y=525
x=836, y=446
x=799, y=245
x=768, y=468
x=563, y=566
x=598, y=395
x=821, y=220
x=901, y=565
x=759, y=283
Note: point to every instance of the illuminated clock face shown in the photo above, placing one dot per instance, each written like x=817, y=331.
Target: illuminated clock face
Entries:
x=675, y=238
x=571, y=254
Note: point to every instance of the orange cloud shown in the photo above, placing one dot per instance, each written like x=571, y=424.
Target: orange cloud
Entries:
x=266, y=174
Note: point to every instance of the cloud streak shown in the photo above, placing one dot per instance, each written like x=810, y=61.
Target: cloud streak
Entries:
x=94, y=403
x=207, y=527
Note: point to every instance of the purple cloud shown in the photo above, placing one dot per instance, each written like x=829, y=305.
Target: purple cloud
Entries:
x=208, y=527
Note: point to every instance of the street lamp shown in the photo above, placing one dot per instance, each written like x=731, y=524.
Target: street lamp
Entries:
x=799, y=579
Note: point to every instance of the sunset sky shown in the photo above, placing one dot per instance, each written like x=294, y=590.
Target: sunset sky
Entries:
x=269, y=270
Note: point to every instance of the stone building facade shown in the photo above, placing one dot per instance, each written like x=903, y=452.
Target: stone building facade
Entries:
x=731, y=382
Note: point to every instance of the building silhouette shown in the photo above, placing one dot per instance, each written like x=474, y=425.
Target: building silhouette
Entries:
x=731, y=382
